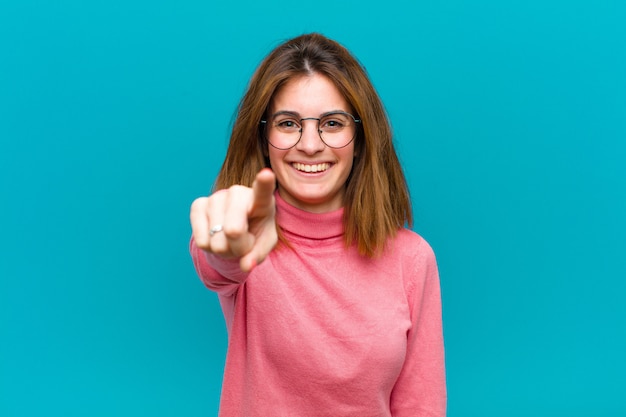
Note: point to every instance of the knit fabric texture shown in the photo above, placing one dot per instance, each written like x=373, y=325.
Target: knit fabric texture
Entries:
x=318, y=330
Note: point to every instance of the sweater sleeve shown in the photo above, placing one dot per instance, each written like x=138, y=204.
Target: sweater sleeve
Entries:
x=421, y=387
x=223, y=276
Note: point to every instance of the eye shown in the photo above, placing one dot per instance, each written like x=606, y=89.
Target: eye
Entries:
x=287, y=125
x=333, y=123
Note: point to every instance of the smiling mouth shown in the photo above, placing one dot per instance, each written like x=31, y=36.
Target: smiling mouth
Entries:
x=311, y=168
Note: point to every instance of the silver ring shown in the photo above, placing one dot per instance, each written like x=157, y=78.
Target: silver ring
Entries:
x=215, y=229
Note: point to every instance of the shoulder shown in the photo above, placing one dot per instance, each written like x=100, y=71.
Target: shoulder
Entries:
x=410, y=244
x=415, y=258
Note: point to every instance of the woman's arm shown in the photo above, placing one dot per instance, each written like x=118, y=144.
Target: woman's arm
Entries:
x=218, y=274
x=420, y=390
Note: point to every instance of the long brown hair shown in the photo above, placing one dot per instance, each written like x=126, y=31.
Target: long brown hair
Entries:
x=376, y=201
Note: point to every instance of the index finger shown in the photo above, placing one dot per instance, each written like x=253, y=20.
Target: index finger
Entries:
x=263, y=193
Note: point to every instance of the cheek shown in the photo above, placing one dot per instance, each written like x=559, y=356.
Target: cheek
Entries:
x=271, y=155
x=350, y=166
x=348, y=157
x=275, y=158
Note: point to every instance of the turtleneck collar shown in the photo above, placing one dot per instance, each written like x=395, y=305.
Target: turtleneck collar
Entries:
x=307, y=225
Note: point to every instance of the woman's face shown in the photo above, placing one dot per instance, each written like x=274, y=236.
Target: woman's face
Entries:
x=311, y=175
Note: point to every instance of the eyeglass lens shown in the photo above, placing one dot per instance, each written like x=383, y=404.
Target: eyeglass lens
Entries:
x=336, y=129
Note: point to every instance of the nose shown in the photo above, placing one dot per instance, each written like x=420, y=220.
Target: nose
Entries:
x=310, y=141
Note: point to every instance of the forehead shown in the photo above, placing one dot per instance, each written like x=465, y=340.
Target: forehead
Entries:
x=309, y=94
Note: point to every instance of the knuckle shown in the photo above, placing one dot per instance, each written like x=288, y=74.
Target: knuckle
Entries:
x=234, y=231
x=198, y=205
x=202, y=243
x=236, y=188
x=216, y=199
x=220, y=252
x=219, y=248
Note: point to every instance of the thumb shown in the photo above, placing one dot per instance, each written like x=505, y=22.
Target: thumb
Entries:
x=261, y=249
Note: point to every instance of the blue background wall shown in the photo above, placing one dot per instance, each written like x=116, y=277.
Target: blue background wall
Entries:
x=114, y=116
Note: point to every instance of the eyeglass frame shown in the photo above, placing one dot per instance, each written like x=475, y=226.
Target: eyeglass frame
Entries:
x=319, y=131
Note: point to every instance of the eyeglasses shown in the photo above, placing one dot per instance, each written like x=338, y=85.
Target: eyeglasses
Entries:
x=336, y=129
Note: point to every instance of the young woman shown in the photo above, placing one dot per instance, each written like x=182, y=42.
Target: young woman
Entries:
x=332, y=306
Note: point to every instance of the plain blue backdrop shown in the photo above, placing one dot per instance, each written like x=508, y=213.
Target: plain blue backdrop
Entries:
x=510, y=119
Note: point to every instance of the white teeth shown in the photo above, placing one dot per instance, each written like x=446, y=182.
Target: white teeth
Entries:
x=311, y=168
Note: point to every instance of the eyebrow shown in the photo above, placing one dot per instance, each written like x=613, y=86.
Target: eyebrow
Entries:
x=299, y=116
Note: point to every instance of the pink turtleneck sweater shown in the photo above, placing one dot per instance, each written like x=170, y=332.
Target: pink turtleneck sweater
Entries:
x=317, y=330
